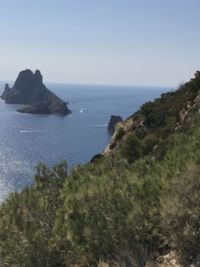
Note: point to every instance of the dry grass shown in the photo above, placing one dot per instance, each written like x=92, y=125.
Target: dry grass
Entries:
x=169, y=260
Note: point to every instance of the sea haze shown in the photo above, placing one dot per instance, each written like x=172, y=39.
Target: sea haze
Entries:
x=28, y=139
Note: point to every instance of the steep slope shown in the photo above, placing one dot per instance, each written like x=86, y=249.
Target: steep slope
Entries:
x=142, y=132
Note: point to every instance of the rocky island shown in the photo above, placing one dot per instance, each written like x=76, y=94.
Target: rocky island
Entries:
x=114, y=119
x=29, y=90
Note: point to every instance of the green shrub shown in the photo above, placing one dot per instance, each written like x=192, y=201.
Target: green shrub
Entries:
x=104, y=214
x=120, y=133
x=131, y=149
x=180, y=212
x=26, y=221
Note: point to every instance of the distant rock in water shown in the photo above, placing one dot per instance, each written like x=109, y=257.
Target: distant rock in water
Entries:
x=6, y=92
x=114, y=119
x=29, y=90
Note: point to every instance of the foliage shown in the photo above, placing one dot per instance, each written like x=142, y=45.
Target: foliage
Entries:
x=120, y=133
x=107, y=212
x=131, y=149
x=141, y=200
x=180, y=212
x=26, y=221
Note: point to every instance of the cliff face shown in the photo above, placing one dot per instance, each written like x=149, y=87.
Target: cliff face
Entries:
x=29, y=90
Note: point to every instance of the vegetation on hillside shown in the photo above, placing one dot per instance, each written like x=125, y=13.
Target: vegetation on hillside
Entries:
x=140, y=201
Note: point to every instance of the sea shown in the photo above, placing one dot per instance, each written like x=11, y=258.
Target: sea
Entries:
x=26, y=140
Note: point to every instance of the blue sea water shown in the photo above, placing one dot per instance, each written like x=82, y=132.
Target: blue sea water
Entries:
x=28, y=139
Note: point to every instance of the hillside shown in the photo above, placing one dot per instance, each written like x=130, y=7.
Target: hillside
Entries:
x=136, y=202
x=148, y=127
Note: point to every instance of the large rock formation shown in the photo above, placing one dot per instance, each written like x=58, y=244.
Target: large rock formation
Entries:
x=114, y=119
x=29, y=90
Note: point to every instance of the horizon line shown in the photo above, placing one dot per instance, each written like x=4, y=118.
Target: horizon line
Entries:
x=102, y=84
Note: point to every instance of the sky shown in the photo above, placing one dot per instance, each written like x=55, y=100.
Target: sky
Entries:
x=122, y=42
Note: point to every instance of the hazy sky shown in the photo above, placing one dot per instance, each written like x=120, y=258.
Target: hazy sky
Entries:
x=139, y=42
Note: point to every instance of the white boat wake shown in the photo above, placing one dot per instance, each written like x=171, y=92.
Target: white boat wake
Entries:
x=29, y=131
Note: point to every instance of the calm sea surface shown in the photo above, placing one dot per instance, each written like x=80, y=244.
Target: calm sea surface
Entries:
x=28, y=139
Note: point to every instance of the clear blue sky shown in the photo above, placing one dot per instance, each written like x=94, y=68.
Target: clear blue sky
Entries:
x=139, y=42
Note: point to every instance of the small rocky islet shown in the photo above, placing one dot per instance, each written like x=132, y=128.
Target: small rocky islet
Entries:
x=30, y=91
x=114, y=119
